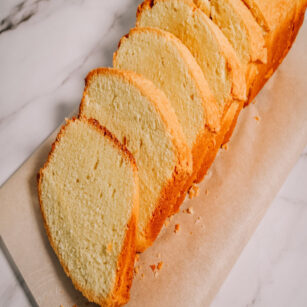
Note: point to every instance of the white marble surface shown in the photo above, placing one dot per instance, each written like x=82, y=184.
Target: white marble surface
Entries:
x=46, y=50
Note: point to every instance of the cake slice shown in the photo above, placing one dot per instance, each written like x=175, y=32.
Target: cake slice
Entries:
x=88, y=193
x=212, y=51
x=162, y=58
x=141, y=117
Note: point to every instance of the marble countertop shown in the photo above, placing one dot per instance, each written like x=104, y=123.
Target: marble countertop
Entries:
x=46, y=50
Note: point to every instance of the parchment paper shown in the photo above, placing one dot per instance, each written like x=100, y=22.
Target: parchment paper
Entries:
x=231, y=202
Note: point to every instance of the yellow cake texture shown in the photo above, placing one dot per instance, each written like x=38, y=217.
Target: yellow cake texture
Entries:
x=242, y=31
x=164, y=59
x=89, y=194
x=214, y=54
x=142, y=118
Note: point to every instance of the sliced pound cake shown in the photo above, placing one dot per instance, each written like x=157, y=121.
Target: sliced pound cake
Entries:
x=242, y=31
x=162, y=58
x=88, y=192
x=141, y=117
x=212, y=51
x=239, y=26
x=280, y=21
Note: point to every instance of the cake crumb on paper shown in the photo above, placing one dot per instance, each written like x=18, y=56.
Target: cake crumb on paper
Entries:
x=225, y=146
x=153, y=267
x=257, y=118
x=137, y=257
x=193, y=191
x=189, y=210
x=136, y=270
x=207, y=192
x=177, y=227
x=159, y=266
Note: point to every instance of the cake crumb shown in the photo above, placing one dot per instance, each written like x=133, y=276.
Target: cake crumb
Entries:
x=193, y=191
x=136, y=270
x=159, y=266
x=142, y=275
x=137, y=257
x=207, y=192
x=177, y=227
x=153, y=267
x=109, y=247
x=189, y=210
x=257, y=118
x=166, y=222
x=225, y=146
x=191, y=232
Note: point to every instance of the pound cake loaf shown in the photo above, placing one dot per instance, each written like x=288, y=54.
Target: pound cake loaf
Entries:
x=141, y=117
x=88, y=193
x=280, y=21
x=162, y=58
x=212, y=51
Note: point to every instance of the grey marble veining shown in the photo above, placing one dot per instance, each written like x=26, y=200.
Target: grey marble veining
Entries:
x=46, y=50
x=44, y=60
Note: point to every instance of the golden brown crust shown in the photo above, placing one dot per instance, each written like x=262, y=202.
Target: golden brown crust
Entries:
x=120, y=294
x=215, y=143
x=125, y=264
x=227, y=136
x=201, y=152
x=183, y=168
x=271, y=13
x=169, y=195
x=279, y=42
